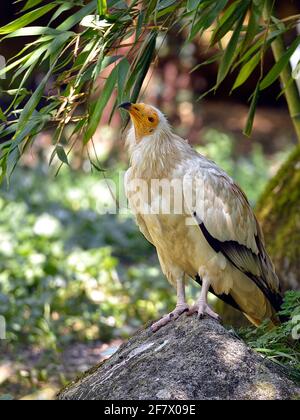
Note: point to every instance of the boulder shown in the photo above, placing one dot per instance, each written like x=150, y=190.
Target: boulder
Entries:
x=187, y=359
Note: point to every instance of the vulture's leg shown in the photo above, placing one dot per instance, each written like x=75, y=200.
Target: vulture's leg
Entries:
x=202, y=307
x=181, y=307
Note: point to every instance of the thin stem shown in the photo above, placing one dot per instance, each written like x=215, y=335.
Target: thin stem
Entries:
x=290, y=89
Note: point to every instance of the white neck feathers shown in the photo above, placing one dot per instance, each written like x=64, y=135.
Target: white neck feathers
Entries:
x=155, y=156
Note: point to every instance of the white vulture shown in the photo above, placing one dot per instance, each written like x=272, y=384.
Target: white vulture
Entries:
x=210, y=234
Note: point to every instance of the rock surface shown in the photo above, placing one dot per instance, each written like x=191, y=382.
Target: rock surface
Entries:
x=188, y=359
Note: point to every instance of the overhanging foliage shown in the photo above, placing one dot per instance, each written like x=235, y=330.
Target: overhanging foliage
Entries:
x=117, y=40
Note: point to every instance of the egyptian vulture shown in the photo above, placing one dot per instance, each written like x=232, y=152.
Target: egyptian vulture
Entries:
x=199, y=220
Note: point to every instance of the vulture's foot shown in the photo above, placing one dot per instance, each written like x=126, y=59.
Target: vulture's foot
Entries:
x=203, y=309
x=172, y=316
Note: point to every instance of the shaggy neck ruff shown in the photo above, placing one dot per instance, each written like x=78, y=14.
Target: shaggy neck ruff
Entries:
x=155, y=156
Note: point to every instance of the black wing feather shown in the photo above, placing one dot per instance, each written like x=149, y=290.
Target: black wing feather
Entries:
x=232, y=248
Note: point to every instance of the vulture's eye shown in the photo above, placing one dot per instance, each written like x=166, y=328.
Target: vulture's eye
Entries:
x=151, y=119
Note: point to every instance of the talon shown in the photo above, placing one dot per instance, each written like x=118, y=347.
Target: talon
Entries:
x=172, y=316
x=202, y=310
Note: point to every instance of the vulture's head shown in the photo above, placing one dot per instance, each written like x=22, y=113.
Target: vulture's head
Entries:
x=146, y=119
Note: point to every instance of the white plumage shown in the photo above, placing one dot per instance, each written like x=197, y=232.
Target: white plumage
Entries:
x=215, y=239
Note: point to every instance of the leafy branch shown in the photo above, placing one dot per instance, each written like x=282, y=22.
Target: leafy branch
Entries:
x=104, y=49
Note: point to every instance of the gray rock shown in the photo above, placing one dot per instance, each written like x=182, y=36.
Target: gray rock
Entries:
x=187, y=359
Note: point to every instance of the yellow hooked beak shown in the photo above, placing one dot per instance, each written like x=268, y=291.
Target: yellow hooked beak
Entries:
x=144, y=117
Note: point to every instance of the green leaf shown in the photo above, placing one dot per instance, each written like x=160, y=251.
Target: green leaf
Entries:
x=27, y=19
x=33, y=124
x=232, y=14
x=251, y=50
x=252, y=26
x=141, y=67
x=32, y=31
x=247, y=70
x=150, y=8
x=107, y=61
x=284, y=60
x=192, y=5
x=31, y=3
x=102, y=7
x=210, y=60
x=139, y=25
x=33, y=102
x=33, y=58
x=2, y=116
x=61, y=154
x=11, y=161
x=73, y=20
x=100, y=104
x=213, y=13
x=164, y=4
x=123, y=70
x=13, y=65
x=251, y=114
x=62, y=8
x=54, y=48
x=97, y=167
x=207, y=17
x=230, y=52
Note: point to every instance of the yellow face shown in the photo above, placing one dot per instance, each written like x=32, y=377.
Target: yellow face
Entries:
x=145, y=119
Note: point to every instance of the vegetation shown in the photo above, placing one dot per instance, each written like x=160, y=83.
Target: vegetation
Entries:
x=277, y=344
x=278, y=209
x=117, y=41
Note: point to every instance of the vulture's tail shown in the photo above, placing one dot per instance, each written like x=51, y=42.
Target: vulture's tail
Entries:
x=277, y=301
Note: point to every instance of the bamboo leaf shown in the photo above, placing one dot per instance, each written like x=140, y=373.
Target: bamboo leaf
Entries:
x=139, y=25
x=61, y=154
x=258, y=44
x=27, y=19
x=2, y=116
x=164, y=4
x=97, y=167
x=123, y=70
x=12, y=65
x=73, y=20
x=34, y=57
x=62, y=8
x=207, y=17
x=192, y=5
x=247, y=70
x=56, y=45
x=232, y=14
x=251, y=114
x=143, y=67
x=230, y=52
x=100, y=104
x=252, y=26
x=210, y=60
x=275, y=71
x=31, y=3
x=102, y=7
x=32, y=31
x=11, y=161
x=33, y=102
